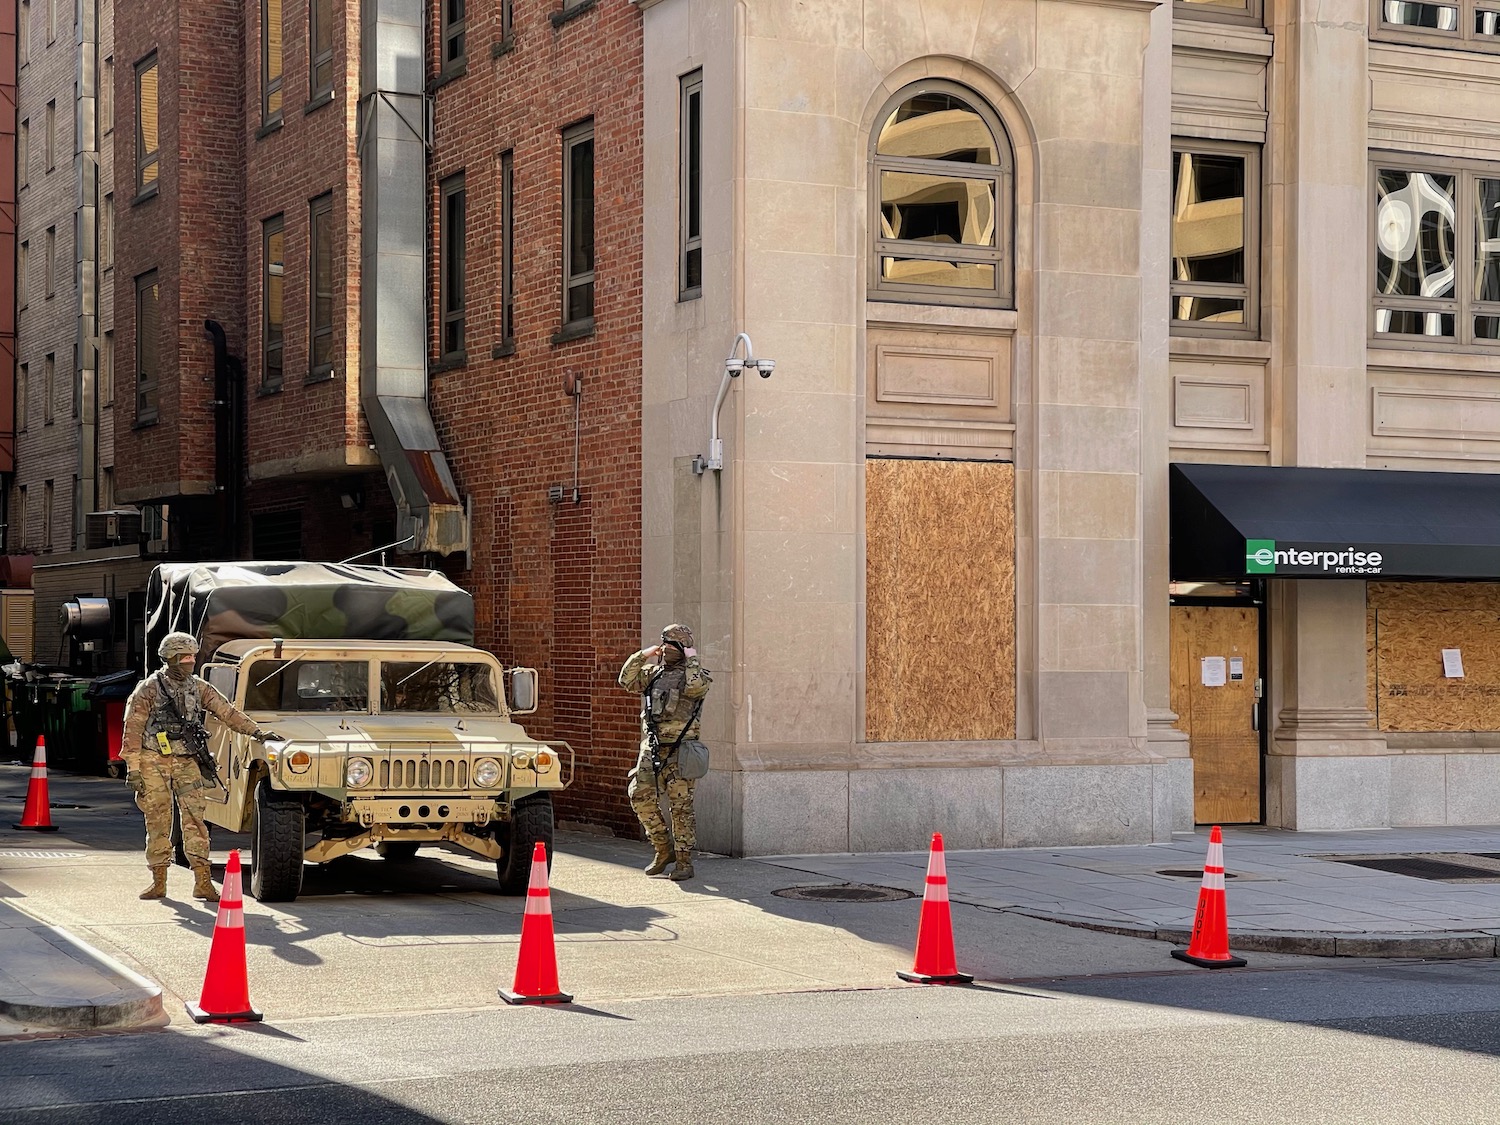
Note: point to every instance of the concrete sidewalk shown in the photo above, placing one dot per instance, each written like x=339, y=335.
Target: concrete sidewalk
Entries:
x=1285, y=892
x=50, y=978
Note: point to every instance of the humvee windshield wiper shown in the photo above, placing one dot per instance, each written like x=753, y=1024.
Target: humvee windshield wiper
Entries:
x=429, y=664
x=283, y=668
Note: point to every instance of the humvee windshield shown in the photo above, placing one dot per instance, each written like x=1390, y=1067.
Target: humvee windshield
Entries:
x=308, y=685
x=439, y=685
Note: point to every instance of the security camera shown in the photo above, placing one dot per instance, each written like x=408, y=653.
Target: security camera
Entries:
x=765, y=367
x=734, y=367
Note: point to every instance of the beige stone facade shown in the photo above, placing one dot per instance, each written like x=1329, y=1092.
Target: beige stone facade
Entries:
x=1111, y=357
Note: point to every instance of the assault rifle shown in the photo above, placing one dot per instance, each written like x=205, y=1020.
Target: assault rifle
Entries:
x=195, y=737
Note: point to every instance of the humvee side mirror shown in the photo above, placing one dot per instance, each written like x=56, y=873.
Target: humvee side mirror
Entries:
x=522, y=699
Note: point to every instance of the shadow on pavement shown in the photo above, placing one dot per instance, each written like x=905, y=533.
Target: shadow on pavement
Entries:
x=119, y=1080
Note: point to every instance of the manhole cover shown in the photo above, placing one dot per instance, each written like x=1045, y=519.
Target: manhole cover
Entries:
x=845, y=892
x=22, y=853
x=55, y=804
x=1424, y=867
x=1190, y=873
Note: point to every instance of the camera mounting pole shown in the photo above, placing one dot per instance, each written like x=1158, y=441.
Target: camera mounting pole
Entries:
x=734, y=367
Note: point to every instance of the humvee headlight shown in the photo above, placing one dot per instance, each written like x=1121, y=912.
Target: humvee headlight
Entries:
x=486, y=772
x=522, y=760
x=544, y=759
x=299, y=761
x=357, y=773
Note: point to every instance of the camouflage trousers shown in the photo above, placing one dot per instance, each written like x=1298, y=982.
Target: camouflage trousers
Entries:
x=645, y=792
x=166, y=775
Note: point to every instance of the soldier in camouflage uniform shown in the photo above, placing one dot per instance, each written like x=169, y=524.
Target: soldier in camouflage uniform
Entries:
x=672, y=684
x=159, y=765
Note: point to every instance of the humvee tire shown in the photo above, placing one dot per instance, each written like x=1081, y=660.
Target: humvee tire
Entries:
x=530, y=822
x=276, y=844
x=396, y=851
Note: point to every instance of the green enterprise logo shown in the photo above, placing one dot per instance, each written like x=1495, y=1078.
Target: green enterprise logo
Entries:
x=1260, y=556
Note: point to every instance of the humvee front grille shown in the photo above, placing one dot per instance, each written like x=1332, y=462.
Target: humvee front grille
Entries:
x=419, y=772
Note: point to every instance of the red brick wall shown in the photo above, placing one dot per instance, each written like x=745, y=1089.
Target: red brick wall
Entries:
x=557, y=586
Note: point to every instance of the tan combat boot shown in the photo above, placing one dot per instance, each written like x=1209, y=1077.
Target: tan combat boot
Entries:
x=158, y=887
x=203, y=884
x=659, y=863
x=684, y=868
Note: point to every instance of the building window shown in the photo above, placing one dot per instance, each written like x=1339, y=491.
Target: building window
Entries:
x=77, y=521
x=76, y=383
x=273, y=294
x=453, y=33
x=18, y=532
x=147, y=331
x=321, y=286
x=146, y=124
x=1437, y=254
x=507, y=20
x=49, y=264
x=23, y=153
x=107, y=369
x=107, y=232
x=452, y=253
x=941, y=194
x=107, y=96
x=23, y=395
x=507, y=249
x=270, y=61
x=51, y=22
x=578, y=227
x=106, y=499
x=1223, y=11
x=23, y=262
x=320, y=40
x=690, y=190
x=1215, y=235
x=48, y=500
x=49, y=138
x=23, y=34
x=1472, y=25
x=49, y=387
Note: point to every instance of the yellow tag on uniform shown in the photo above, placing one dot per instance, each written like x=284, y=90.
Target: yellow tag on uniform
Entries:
x=162, y=743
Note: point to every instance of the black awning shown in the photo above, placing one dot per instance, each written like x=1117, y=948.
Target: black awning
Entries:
x=1230, y=522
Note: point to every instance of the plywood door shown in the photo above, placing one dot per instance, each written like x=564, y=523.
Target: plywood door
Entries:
x=1219, y=720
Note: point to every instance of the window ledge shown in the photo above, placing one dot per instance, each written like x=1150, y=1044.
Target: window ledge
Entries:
x=561, y=17
x=451, y=73
x=503, y=350
x=578, y=330
x=503, y=46
x=150, y=191
x=145, y=423
x=879, y=311
x=318, y=102
x=686, y=295
x=265, y=391
x=271, y=126
x=453, y=362
x=1229, y=347
x=315, y=377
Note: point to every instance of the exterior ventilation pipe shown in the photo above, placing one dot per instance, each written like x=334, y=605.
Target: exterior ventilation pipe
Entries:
x=394, y=134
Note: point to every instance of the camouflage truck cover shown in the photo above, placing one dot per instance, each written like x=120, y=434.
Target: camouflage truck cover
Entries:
x=218, y=602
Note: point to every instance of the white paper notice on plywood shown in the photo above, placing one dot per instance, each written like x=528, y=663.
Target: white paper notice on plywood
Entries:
x=1215, y=671
x=1453, y=663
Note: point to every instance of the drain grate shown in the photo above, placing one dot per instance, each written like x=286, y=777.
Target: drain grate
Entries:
x=845, y=892
x=1189, y=873
x=22, y=853
x=1425, y=867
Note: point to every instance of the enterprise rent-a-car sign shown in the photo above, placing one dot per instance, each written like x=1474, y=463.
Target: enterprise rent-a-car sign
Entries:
x=1267, y=556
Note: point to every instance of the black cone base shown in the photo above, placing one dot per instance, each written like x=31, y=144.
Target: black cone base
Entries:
x=1228, y=963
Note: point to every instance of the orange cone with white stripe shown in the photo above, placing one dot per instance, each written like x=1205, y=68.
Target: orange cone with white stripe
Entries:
x=1210, y=944
x=226, y=985
x=936, y=963
x=536, y=966
x=37, y=816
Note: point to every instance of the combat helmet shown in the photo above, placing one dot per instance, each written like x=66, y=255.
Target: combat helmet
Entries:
x=679, y=635
x=174, y=645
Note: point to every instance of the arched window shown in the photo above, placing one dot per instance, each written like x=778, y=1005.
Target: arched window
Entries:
x=941, y=188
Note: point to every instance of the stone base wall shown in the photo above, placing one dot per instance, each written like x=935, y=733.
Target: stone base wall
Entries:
x=1421, y=786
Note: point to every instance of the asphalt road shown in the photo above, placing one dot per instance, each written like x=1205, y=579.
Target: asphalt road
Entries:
x=1390, y=1043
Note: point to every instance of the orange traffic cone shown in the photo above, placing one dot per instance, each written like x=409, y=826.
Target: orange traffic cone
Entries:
x=37, y=816
x=935, y=962
x=1210, y=944
x=226, y=986
x=536, y=966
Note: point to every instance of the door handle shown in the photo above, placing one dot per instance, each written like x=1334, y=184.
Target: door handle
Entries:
x=1255, y=717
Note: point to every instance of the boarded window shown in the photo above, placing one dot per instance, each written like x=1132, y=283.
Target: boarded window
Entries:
x=1407, y=627
x=940, y=601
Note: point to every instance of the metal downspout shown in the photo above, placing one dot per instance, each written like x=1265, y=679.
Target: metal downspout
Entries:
x=393, y=139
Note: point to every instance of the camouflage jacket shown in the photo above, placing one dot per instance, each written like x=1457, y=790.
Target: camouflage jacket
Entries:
x=134, y=741
x=668, y=695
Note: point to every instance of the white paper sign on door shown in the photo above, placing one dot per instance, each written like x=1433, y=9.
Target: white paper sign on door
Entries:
x=1215, y=671
x=1236, y=667
x=1453, y=663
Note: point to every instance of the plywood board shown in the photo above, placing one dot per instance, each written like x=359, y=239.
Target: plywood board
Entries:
x=1221, y=735
x=940, y=598
x=1410, y=691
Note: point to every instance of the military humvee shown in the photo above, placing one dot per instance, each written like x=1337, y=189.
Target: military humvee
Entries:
x=394, y=730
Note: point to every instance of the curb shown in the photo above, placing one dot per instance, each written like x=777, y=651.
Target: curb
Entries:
x=135, y=1003
x=1441, y=945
